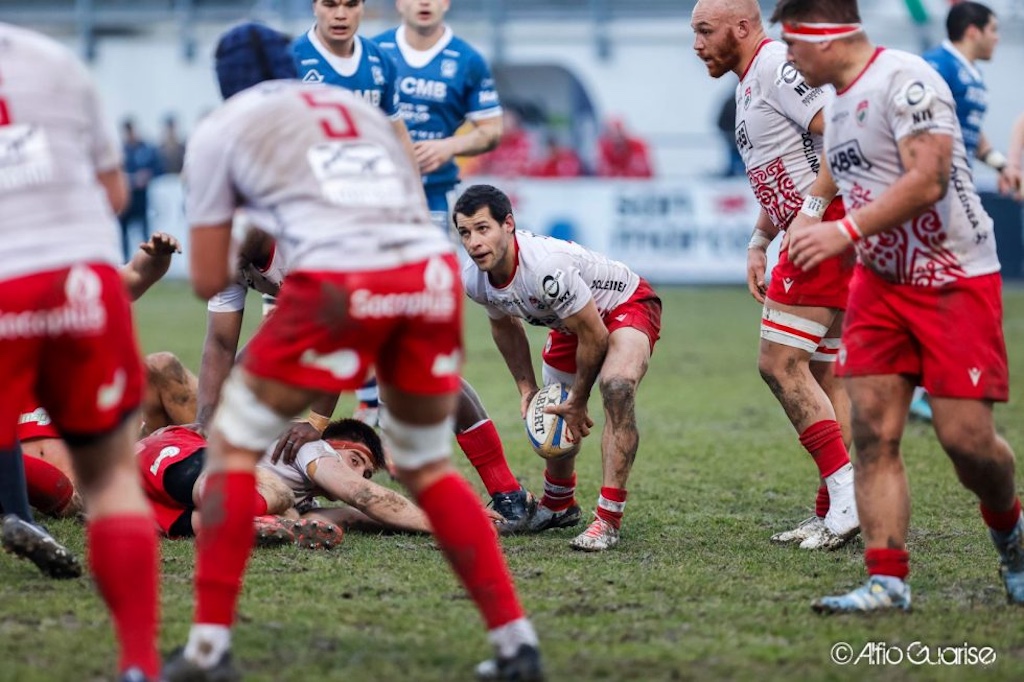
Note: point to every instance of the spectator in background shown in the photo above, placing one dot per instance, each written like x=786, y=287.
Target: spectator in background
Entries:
x=727, y=125
x=560, y=161
x=172, y=147
x=619, y=155
x=141, y=165
x=513, y=155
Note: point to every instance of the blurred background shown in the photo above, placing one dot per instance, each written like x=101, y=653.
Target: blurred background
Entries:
x=573, y=75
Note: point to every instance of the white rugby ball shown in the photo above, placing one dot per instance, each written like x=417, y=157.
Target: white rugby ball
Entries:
x=548, y=433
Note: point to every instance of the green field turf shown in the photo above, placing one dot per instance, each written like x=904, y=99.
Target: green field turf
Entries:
x=694, y=591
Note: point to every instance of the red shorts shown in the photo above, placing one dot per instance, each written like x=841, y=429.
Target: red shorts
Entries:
x=642, y=311
x=950, y=337
x=826, y=286
x=329, y=328
x=66, y=339
x=155, y=453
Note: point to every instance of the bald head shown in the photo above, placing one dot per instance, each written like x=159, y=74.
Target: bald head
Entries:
x=726, y=34
x=730, y=10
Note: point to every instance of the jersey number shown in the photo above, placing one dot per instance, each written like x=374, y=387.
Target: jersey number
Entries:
x=335, y=120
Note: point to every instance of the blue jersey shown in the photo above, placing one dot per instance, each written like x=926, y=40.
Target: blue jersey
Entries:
x=968, y=88
x=368, y=73
x=438, y=90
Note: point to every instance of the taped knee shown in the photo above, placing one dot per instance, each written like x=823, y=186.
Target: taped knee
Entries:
x=787, y=329
x=828, y=350
x=413, y=447
x=243, y=420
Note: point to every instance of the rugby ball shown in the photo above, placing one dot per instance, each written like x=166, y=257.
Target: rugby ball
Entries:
x=548, y=433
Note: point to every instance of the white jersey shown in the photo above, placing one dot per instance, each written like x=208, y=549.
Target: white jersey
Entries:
x=898, y=95
x=554, y=279
x=294, y=475
x=54, y=139
x=774, y=107
x=266, y=280
x=321, y=169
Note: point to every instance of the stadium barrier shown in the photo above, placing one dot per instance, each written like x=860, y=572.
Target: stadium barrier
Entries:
x=670, y=231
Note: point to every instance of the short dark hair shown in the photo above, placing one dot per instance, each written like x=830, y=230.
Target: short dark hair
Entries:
x=478, y=196
x=963, y=15
x=833, y=11
x=357, y=432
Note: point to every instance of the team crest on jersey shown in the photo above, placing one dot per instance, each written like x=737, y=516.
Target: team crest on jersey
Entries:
x=449, y=67
x=378, y=75
x=862, y=112
x=313, y=76
x=746, y=97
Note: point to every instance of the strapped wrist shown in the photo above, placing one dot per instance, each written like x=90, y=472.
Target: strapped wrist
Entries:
x=814, y=206
x=995, y=160
x=849, y=229
x=759, y=240
x=318, y=421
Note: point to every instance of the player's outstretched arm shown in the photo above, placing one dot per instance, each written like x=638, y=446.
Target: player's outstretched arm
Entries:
x=149, y=264
x=510, y=338
x=385, y=506
x=219, y=348
x=591, y=348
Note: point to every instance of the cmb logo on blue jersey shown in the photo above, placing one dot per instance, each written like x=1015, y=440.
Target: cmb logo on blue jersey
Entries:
x=436, y=98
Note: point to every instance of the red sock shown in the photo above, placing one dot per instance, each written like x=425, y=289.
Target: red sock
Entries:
x=482, y=446
x=470, y=543
x=559, y=493
x=610, y=505
x=260, y=506
x=223, y=544
x=49, y=490
x=824, y=440
x=821, y=502
x=124, y=559
x=890, y=562
x=1001, y=522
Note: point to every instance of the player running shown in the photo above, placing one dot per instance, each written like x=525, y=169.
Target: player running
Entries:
x=925, y=300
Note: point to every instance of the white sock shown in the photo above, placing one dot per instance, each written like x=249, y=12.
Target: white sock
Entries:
x=509, y=637
x=207, y=644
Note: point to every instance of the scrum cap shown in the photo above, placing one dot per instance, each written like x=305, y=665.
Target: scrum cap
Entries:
x=251, y=53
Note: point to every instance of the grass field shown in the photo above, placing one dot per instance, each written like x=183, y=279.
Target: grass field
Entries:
x=694, y=591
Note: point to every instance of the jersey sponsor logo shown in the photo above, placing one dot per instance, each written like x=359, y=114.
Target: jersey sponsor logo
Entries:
x=108, y=396
x=915, y=93
x=742, y=138
x=488, y=97
x=25, y=158
x=445, y=365
x=423, y=88
x=169, y=451
x=861, y=114
x=343, y=363
x=975, y=375
x=814, y=94
x=37, y=416
x=847, y=157
x=787, y=74
x=309, y=62
x=366, y=304
x=810, y=151
x=313, y=76
x=922, y=117
x=356, y=174
x=449, y=67
x=552, y=285
x=608, y=285
x=83, y=313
